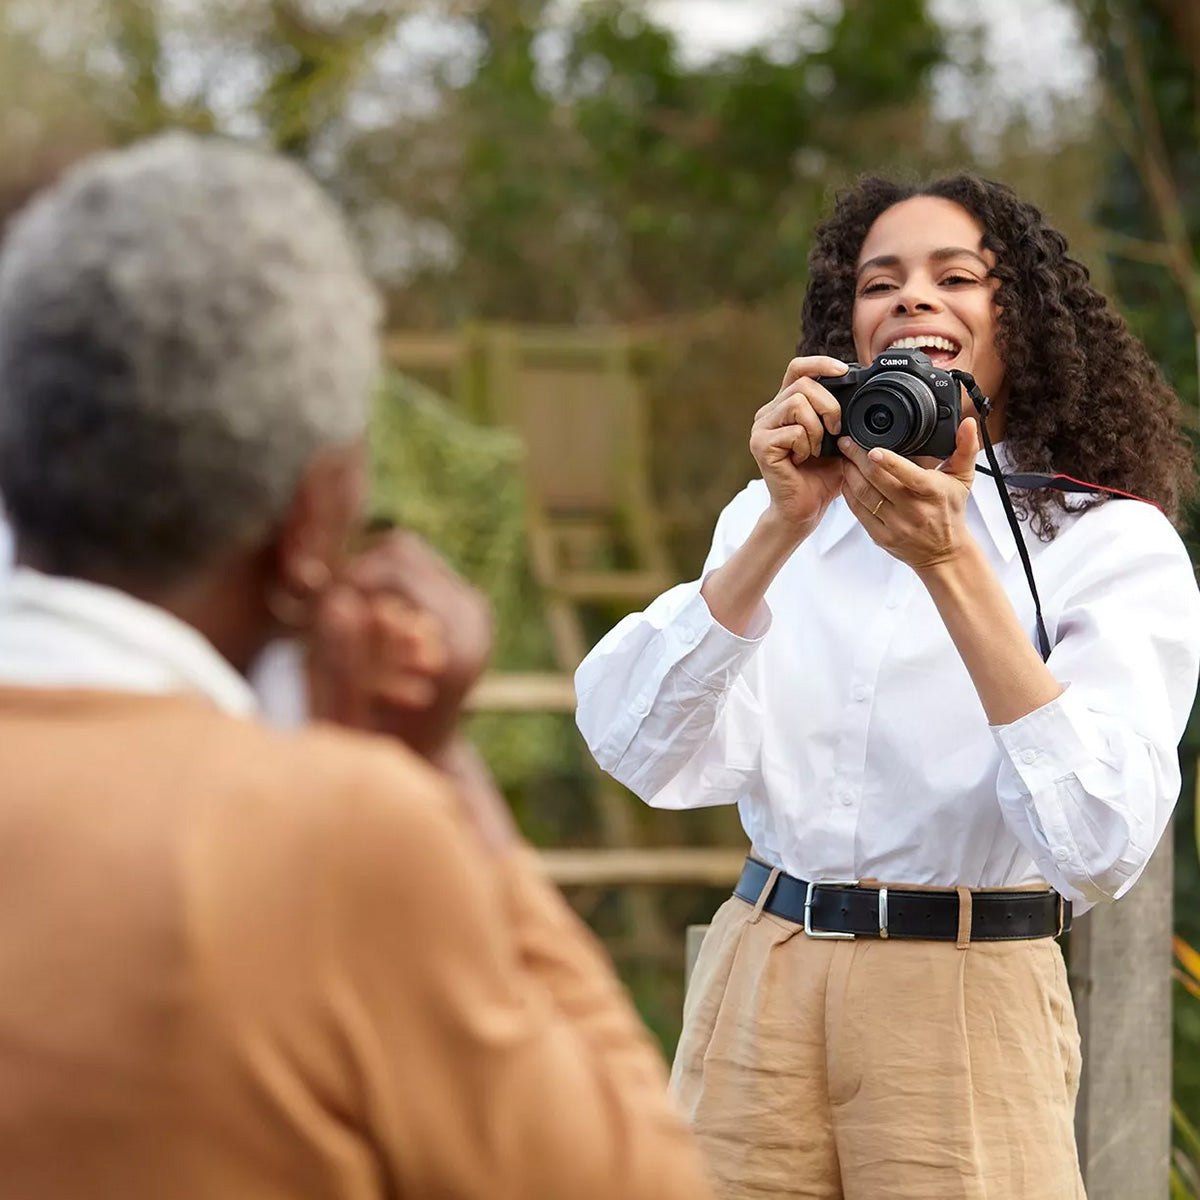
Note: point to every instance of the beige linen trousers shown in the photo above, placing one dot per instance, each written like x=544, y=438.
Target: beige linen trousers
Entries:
x=879, y=1070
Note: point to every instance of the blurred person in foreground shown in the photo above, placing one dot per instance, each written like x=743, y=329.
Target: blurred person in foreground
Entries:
x=237, y=962
x=881, y=1010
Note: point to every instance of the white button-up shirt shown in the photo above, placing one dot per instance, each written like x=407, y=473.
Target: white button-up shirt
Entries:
x=848, y=732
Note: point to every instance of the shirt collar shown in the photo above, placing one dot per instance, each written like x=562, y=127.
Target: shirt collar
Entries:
x=985, y=495
x=839, y=520
x=57, y=632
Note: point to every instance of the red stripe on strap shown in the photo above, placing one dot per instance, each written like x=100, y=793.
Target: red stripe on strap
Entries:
x=1096, y=487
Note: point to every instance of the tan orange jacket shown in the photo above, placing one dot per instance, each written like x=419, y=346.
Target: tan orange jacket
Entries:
x=242, y=965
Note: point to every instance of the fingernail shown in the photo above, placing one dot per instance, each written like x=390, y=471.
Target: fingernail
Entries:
x=876, y=455
x=844, y=444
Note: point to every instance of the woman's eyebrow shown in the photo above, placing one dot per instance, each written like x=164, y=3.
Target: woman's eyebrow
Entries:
x=882, y=260
x=886, y=261
x=959, y=252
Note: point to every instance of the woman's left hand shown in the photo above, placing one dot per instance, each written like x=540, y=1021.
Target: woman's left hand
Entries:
x=916, y=514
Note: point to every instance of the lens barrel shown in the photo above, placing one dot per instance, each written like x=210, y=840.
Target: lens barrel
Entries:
x=893, y=410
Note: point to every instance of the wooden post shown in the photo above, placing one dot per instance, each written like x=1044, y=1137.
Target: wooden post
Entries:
x=1120, y=972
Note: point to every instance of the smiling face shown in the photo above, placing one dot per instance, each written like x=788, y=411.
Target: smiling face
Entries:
x=923, y=285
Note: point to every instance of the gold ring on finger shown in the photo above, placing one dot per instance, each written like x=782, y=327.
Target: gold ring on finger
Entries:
x=875, y=510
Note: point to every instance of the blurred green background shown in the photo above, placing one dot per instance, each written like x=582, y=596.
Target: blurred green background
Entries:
x=656, y=167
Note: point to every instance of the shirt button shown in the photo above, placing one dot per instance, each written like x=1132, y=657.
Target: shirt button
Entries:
x=893, y=602
x=1029, y=756
x=1061, y=854
x=847, y=799
x=687, y=635
x=861, y=693
x=641, y=706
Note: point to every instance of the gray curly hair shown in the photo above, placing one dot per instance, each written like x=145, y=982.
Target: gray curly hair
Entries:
x=183, y=325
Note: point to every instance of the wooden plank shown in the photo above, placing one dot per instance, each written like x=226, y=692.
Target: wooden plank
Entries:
x=1121, y=978
x=523, y=691
x=612, y=585
x=416, y=350
x=711, y=866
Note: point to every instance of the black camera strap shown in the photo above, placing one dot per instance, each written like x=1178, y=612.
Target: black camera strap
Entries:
x=1059, y=483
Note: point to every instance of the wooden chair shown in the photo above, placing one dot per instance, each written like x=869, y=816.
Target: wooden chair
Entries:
x=593, y=533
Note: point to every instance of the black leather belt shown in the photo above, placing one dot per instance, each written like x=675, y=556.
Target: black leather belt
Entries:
x=846, y=909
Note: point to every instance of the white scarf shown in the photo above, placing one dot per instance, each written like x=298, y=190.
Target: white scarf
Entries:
x=66, y=633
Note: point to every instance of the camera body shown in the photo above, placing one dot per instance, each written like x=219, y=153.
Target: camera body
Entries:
x=901, y=402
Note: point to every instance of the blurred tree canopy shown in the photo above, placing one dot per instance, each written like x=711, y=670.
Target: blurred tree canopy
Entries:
x=598, y=177
x=1150, y=56
x=516, y=159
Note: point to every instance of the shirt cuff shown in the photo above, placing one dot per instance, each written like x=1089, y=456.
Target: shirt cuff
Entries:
x=1049, y=743
x=710, y=654
x=1043, y=749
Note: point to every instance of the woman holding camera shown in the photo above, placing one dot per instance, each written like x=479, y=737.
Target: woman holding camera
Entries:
x=881, y=1010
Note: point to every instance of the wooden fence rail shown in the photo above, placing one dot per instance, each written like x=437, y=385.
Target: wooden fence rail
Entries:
x=700, y=865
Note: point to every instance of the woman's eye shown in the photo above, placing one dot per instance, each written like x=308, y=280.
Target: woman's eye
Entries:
x=880, y=285
x=960, y=279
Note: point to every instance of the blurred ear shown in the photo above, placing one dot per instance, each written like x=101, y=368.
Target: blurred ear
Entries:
x=326, y=512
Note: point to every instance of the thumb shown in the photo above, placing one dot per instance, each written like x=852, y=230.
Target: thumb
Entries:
x=961, y=464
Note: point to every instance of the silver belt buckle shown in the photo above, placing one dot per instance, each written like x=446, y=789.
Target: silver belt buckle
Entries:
x=808, y=904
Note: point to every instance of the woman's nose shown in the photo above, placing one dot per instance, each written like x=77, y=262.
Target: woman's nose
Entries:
x=915, y=296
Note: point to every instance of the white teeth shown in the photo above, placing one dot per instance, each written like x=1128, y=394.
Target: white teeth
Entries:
x=928, y=342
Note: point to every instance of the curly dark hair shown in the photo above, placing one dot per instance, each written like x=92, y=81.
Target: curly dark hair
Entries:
x=1085, y=398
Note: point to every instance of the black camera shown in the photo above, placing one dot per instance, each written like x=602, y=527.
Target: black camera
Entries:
x=901, y=402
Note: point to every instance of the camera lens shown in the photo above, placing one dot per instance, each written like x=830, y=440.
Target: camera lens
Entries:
x=894, y=410
x=879, y=419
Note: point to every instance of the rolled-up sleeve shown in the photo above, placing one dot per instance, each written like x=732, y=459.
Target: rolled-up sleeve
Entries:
x=662, y=702
x=1088, y=782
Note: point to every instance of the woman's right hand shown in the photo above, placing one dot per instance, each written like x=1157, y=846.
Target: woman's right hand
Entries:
x=786, y=443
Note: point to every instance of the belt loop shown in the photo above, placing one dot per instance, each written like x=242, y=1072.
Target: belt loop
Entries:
x=764, y=895
x=964, y=917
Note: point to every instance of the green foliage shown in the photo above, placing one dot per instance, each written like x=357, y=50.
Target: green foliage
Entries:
x=1185, y=1165
x=880, y=55
x=313, y=67
x=1136, y=36
x=459, y=486
x=706, y=178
